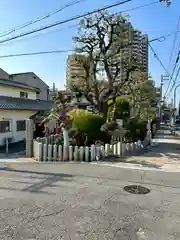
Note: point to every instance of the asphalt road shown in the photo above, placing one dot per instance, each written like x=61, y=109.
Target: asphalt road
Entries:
x=82, y=201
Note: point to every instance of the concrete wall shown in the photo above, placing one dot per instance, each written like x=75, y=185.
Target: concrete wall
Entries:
x=13, y=116
x=34, y=81
x=15, y=92
x=3, y=74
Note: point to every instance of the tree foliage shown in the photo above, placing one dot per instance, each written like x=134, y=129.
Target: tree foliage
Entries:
x=60, y=112
x=168, y=2
x=100, y=38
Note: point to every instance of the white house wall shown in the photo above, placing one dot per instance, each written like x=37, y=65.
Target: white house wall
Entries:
x=34, y=81
x=15, y=92
x=13, y=116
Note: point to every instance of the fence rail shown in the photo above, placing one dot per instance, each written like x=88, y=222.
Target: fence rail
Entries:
x=45, y=150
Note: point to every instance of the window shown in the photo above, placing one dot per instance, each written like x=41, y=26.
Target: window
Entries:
x=20, y=125
x=37, y=96
x=23, y=95
x=4, y=126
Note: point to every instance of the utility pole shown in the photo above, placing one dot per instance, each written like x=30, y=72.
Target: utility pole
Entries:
x=163, y=78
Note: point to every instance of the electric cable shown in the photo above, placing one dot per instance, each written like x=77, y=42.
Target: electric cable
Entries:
x=38, y=19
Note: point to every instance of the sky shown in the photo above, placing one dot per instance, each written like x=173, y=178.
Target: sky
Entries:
x=155, y=20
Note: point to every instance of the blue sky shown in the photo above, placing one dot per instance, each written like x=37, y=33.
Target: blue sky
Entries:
x=155, y=20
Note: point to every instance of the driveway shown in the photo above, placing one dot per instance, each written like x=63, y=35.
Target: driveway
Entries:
x=83, y=201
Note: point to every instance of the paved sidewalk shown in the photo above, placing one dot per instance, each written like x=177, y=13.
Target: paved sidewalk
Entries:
x=164, y=153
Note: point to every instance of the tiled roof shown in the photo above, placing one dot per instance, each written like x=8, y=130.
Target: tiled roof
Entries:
x=17, y=84
x=24, y=104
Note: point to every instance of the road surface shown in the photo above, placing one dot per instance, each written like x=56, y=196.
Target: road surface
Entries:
x=82, y=201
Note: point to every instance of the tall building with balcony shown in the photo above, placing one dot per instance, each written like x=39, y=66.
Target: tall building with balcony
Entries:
x=123, y=37
x=75, y=70
x=134, y=46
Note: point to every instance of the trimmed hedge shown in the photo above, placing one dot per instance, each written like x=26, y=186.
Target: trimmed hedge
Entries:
x=136, y=129
x=88, y=126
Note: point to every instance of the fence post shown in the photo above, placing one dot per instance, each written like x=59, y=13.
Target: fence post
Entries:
x=55, y=153
x=81, y=153
x=49, y=152
x=115, y=149
x=65, y=153
x=107, y=147
x=136, y=145
x=102, y=151
x=60, y=155
x=93, y=153
x=87, y=154
x=119, y=149
x=132, y=147
x=123, y=149
x=127, y=147
x=35, y=149
x=34, y=144
x=40, y=145
x=141, y=144
x=98, y=152
x=70, y=153
x=45, y=151
x=29, y=137
x=76, y=153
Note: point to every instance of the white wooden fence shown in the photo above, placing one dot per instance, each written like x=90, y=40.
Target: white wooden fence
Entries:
x=43, y=151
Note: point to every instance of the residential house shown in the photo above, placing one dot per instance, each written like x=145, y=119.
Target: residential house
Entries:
x=18, y=102
x=3, y=74
x=32, y=80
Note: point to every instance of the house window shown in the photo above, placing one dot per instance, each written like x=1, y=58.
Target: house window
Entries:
x=20, y=125
x=4, y=126
x=37, y=96
x=23, y=95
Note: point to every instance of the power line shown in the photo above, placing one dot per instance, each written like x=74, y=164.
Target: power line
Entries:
x=57, y=51
x=35, y=53
x=177, y=74
x=156, y=56
x=174, y=68
x=140, y=6
x=174, y=41
x=40, y=34
x=65, y=21
x=126, y=10
x=171, y=77
x=38, y=19
x=162, y=38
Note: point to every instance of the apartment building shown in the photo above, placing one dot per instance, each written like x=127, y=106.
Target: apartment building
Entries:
x=123, y=37
x=74, y=68
x=135, y=46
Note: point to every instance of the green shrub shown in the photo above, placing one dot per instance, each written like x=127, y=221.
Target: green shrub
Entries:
x=78, y=138
x=136, y=129
x=122, y=108
x=89, y=125
x=109, y=126
x=59, y=140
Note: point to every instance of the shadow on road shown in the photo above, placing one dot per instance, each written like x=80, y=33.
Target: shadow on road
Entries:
x=47, y=180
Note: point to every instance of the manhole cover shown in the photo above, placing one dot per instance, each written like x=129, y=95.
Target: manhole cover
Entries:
x=136, y=189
